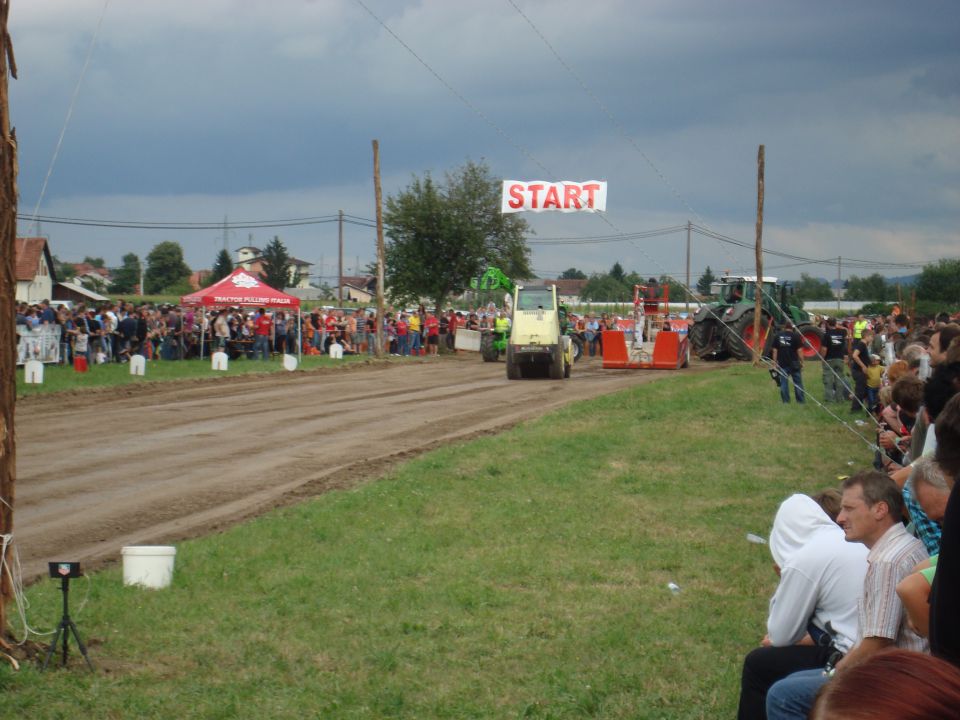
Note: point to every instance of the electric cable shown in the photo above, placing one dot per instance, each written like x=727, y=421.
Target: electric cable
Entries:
x=66, y=122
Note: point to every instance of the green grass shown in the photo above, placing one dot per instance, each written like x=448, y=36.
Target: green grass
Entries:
x=518, y=576
x=60, y=378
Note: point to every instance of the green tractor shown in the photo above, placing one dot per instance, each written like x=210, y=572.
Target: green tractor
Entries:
x=493, y=343
x=725, y=328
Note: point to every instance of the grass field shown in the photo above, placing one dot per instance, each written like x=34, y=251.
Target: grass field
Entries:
x=519, y=576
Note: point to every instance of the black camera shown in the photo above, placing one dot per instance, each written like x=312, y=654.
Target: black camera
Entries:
x=65, y=569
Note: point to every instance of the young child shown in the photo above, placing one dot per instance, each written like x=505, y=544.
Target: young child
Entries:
x=874, y=380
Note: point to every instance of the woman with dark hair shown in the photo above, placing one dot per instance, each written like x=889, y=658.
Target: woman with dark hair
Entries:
x=893, y=685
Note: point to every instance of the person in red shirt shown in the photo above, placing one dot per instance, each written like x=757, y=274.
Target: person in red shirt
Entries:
x=432, y=326
x=262, y=326
x=402, y=335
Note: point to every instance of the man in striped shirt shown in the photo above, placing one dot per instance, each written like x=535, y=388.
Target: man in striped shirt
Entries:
x=871, y=513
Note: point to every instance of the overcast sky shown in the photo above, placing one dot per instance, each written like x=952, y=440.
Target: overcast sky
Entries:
x=190, y=111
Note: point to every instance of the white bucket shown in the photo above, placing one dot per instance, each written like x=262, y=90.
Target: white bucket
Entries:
x=148, y=565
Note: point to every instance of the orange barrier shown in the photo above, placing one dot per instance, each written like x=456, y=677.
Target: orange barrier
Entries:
x=669, y=351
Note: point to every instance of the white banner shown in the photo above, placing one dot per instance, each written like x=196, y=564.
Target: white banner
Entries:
x=41, y=343
x=563, y=196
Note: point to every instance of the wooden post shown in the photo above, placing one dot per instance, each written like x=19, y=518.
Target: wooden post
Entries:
x=8, y=330
x=340, y=263
x=380, y=250
x=839, y=282
x=688, y=268
x=758, y=294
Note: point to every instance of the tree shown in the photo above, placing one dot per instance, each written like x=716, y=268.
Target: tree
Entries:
x=678, y=293
x=97, y=262
x=63, y=270
x=616, y=272
x=811, y=288
x=276, y=265
x=442, y=236
x=873, y=287
x=705, y=281
x=940, y=282
x=165, y=267
x=127, y=276
x=573, y=274
x=222, y=266
x=603, y=287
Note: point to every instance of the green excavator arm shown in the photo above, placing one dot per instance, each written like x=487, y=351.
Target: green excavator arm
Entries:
x=492, y=279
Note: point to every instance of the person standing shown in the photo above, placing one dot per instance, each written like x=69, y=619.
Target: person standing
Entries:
x=787, y=346
x=859, y=360
x=432, y=327
x=402, y=329
x=262, y=325
x=834, y=351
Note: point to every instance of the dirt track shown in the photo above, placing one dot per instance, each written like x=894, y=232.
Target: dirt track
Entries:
x=160, y=463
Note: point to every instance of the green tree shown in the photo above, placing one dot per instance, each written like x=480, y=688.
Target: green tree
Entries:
x=442, y=236
x=873, y=287
x=705, y=281
x=127, y=276
x=97, y=262
x=616, y=272
x=604, y=287
x=811, y=288
x=573, y=274
x=63, y=270
x=276, y=265
x=940, y=282
x=165, y=267
x=678, y=293
x=222, y=266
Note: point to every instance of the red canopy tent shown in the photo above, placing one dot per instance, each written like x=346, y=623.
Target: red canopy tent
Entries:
x=241, y=289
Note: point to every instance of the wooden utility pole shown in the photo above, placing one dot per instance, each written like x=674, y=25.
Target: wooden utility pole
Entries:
x=8, y=330
x=839, y=282
x=340, y=263
x=688, y=267
x=758, y=294
x=380, y=250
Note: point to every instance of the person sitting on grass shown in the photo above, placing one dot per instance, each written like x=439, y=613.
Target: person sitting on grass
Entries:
x=813, y=613
x=872, y=514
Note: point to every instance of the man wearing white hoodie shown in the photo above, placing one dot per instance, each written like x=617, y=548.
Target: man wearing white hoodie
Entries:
x=813, y=613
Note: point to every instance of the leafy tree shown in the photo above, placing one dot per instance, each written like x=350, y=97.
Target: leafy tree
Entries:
x=573, y=274
x=874, y=288
x=603, y=287
x=442, y=236
x=63, y=270
x=222, y=266
x=165, y=267
x=678, y=293
x=940, y=282
x=811, y=288
x=276, y=265
x=616, y=272
x=97, y=262
x=705, y=281
x=127, y=276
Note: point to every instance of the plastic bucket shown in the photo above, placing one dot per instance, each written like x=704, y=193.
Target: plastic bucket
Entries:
x=148, y=565
x=80, y=363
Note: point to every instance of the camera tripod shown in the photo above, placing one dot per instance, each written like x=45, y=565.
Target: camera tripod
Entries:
x=66, y=626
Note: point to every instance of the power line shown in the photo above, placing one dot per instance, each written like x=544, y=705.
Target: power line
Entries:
x=173, y=225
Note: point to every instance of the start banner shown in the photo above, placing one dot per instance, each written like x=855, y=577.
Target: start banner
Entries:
x=563, y=196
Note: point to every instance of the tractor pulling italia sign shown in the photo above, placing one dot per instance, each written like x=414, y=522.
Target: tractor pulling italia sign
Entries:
x=563, y=196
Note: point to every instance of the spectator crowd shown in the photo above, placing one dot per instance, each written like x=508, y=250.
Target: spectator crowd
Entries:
x=865, y=619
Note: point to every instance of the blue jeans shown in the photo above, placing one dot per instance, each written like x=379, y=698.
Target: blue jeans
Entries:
x=785, y=377
x=403, y=344
x=261, y=345
x=793, y=697
x=415, y=343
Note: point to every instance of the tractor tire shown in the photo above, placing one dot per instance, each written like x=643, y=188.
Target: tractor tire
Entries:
x=813, y=341
x=487, y=349
x=577, y=347
x=740, y=339
x=698, y=336
x=513, y=367
x=557, y=363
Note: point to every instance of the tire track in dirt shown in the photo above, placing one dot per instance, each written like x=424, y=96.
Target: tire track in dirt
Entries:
x=99, y=471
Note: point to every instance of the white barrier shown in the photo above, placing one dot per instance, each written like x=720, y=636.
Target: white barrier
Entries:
x=33, y=372
x=41, y=343
x=138, y=365
x=467, y=340
x=336, y=351
x=219, y=361
x=289, y=362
